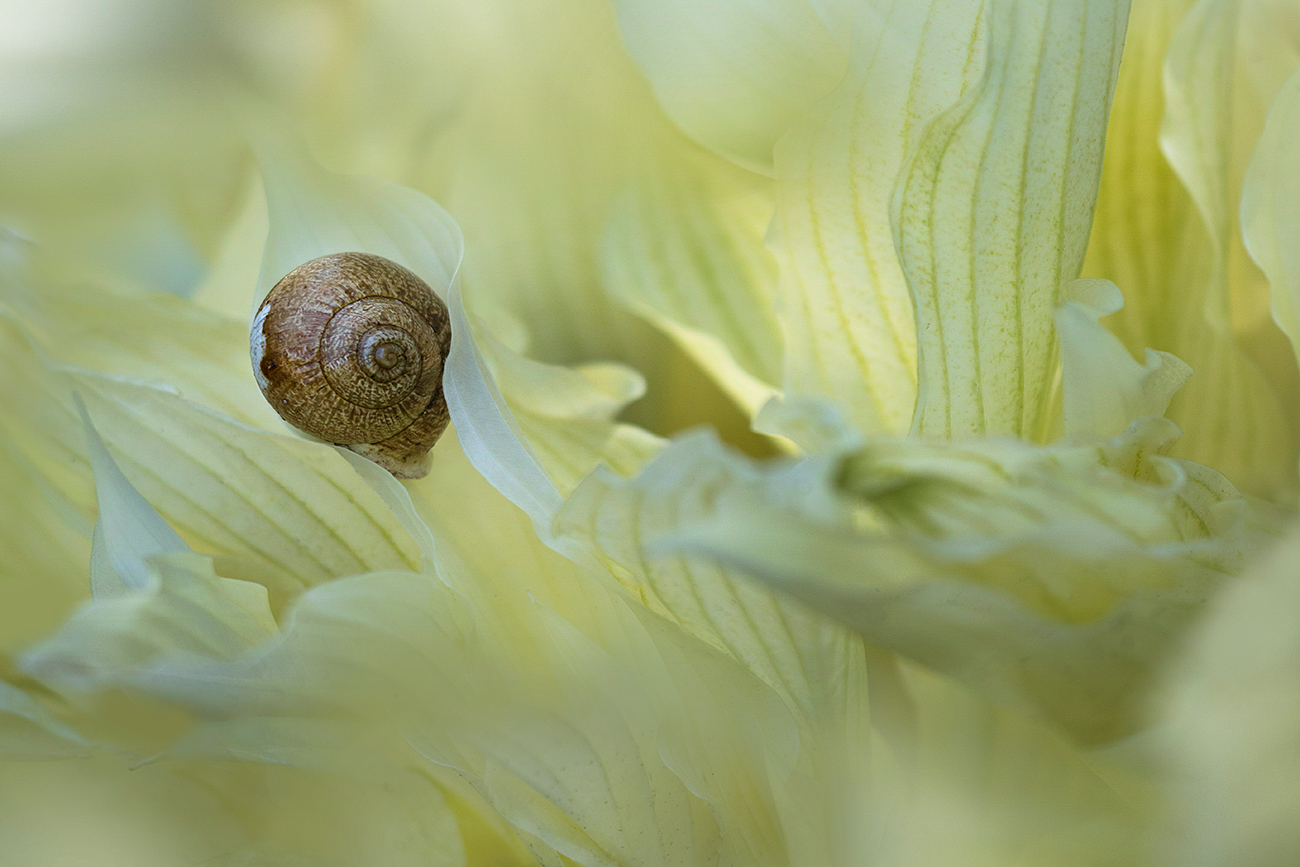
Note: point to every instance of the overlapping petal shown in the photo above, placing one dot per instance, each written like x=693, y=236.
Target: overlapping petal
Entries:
x=684, y=656
x=684, y=250
x=845, y=305
x=992, y=216
x=1053, y=580
x=1196, y=83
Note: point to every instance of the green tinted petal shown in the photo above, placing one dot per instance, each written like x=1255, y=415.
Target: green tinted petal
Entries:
x=152, y=338
x=733, y=743
x=293, y=509
x=845, y=306
x=487, y=429
x=566, y=414
x=1052, y=580
x=550, y=736
x=1104, y=389
x=47, y=545
x=154, y=599
x=529, y=446
x=734, y=75
x=590, y=768
x=993, y=213
x=817, y=668
x=1003, y=789
x=1166, y=229
x=558, y=702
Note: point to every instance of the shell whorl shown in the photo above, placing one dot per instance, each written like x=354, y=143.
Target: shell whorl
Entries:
x=350, y=349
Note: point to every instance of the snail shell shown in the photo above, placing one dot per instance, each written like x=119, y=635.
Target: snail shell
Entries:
x=350, y=348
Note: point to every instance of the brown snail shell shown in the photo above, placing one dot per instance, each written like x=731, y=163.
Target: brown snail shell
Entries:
x=350, y=349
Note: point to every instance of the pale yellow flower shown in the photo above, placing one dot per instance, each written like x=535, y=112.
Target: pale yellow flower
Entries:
x=933, y=630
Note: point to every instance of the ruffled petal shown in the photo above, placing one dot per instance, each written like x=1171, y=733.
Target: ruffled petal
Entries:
x=1103, y=388
x=1052, y=580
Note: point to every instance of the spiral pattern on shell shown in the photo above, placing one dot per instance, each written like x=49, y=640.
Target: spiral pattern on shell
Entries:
x=350, y=349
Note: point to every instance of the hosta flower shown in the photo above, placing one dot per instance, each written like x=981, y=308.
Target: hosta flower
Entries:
x=932, y=608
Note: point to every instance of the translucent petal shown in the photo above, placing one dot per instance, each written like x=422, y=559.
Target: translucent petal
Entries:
x=844, y=303
x=293, y=511
x=128, y=529
x=154, y=598
x=1104, y=389
x=734, y=75
x=557, y=742
x=154, y=338
x=487, y=429
x=599, y=768
x=533, y=678
x=817, y=668
x=565, y=414
x=992, y=216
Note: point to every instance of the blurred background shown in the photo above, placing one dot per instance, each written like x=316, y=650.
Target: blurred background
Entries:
x=125, y=156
